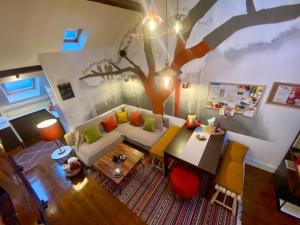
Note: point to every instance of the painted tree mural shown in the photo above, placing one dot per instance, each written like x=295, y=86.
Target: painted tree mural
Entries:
x=158, y=94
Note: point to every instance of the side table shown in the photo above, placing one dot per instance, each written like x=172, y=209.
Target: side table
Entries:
x=60, y=158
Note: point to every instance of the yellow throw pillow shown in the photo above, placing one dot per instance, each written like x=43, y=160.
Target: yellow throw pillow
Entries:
x=122, y=117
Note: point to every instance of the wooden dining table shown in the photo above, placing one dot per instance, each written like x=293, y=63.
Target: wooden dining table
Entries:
x=187, y=149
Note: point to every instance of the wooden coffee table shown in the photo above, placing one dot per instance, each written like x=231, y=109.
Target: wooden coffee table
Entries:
x=106, y=166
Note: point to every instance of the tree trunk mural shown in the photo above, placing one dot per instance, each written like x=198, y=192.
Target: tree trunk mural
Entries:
x=157, y=93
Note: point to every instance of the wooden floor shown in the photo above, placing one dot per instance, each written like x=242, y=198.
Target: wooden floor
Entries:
x=83, y=201
x=259, y=206
x=77, y=201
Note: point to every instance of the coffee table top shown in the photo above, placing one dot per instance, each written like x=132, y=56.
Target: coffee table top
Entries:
x=107, y=166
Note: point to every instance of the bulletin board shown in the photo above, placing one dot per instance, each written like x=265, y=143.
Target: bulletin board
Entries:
x=238, y=98
x=286, y=94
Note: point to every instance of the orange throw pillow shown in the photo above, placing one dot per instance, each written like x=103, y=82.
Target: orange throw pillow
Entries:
x=109, y=124
x=136, y=119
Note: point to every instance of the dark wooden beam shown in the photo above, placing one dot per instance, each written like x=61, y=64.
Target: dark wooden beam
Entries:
x=28, y=69
x=124, y=4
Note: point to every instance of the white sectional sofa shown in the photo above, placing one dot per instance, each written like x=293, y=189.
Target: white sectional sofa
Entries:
x=90, y=153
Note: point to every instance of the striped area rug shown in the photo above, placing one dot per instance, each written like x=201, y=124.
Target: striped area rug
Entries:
x=35, y=154
x=149, y=195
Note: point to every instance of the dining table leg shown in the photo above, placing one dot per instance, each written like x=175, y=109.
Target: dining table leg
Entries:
x=166, y=166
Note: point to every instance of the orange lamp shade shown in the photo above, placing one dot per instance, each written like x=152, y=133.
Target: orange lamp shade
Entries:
x=50, y=130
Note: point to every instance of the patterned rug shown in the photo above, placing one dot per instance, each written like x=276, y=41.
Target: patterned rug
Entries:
x=149, y=195
x=33, y=155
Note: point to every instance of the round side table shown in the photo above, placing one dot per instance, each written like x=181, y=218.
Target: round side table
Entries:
x=60, y=158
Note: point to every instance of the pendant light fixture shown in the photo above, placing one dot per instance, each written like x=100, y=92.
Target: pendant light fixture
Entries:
x=152, y=21
x=179, y=23
x=167, y=71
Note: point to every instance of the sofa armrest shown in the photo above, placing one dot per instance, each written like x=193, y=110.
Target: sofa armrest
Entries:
x=166, y=122
x=70, y=138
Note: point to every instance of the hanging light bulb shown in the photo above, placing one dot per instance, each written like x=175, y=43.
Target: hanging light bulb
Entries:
x=177, y=27
x=152, y=24
x=167, y=81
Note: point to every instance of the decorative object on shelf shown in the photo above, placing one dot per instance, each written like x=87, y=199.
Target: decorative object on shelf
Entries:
x=227, y=111
x=117, y=159
x=192, y=122
x=218, y=128
x=51, y=107
x=211, y=121
x=201, y=137
x=50, y=130
x=244, y=98
x=72, y=167
x=66, y=91
x=117, y=172
x=286, y=94
x=290, y=165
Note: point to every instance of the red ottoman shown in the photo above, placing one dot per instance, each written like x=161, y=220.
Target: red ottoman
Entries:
x=184, y=182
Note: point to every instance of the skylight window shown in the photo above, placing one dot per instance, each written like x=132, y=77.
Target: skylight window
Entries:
x=74, y=39
x=14, y=87
x=72, y=35
x=19, y=90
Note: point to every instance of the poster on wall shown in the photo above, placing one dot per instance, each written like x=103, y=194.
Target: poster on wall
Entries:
x=66, y=91
x=231, y=98
x=285, y=94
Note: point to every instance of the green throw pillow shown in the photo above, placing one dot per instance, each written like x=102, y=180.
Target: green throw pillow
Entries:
x=149, y=124
x=91, y=134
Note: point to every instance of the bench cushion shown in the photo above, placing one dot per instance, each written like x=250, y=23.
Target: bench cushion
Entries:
x=159, y=148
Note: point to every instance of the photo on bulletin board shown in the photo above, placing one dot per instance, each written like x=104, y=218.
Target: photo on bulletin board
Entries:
x=285, y=94
x=231, y=98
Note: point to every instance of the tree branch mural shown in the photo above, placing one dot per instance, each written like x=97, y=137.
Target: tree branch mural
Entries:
x=157, y=94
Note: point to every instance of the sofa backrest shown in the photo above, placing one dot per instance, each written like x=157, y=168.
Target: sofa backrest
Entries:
x=129, y=108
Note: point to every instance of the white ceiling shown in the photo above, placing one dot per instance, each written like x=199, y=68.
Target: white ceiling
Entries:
x=36, y=26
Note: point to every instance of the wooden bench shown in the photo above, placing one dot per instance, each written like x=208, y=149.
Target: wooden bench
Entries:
x=157, y=151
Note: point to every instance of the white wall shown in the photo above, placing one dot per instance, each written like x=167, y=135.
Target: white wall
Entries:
x=91, y=97
x=261, y=64
x=34, y=26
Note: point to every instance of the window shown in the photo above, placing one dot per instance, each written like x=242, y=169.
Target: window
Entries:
x=72, y=35
x=14, y=87
x=74, y=39
x=22, y=89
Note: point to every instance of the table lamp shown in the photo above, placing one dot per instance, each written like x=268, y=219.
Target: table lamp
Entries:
x=50, y=130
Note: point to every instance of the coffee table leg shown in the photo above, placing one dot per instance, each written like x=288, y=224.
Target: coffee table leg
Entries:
x=166, y=167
